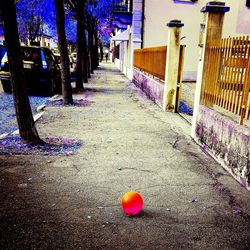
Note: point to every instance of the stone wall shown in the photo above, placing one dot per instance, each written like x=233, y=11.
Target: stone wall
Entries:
x=152, y=88
x=227, y=141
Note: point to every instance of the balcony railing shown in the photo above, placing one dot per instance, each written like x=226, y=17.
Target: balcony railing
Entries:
x=122, y=13
x=122, y=6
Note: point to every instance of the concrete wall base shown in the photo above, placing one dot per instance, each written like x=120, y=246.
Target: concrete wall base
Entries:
x=152, y=88
x=226, y=141
x=126, y=71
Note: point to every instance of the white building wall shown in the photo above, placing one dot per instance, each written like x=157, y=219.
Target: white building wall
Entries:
x=159, y=12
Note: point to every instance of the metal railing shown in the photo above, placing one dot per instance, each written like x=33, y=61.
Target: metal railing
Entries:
x=123, y=6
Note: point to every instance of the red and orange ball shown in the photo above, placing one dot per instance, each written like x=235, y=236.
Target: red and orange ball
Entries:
x=132, y=203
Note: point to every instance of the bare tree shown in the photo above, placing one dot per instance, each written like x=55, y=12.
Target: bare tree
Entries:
x=78, y=7
x=24, y=116
x=63, y=49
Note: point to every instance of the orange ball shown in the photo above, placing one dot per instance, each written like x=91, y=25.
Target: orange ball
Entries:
x=132, y=203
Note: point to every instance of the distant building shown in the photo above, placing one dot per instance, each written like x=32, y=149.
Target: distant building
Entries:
x=46, y=41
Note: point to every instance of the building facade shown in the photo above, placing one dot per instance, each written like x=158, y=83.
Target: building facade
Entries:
x=148, y=29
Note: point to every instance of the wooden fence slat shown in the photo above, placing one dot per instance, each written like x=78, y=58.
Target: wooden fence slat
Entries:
x=215, y=60
x=227, y=77
x=245, y=91
x=241, y=84
x=221, y=52
x=228, y=70
x=224, y=72
x=219, y=44
x=233, y=64
x=241, y=75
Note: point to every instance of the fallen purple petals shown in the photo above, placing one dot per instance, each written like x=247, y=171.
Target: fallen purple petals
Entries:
x=237, y=210
x=76, y=102
x=221, y=188
x=52, y=146
x=242, y=185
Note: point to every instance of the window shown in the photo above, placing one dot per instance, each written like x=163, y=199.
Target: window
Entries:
x=32, y=55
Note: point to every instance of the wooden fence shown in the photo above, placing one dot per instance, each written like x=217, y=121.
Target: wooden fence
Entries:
x=151, y=60
x=227, y=79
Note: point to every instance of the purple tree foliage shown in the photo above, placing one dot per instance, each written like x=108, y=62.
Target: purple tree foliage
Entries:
x=37, y=17
x=102, y=11
x=70, y=27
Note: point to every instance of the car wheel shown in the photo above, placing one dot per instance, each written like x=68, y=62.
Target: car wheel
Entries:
x=6, y=86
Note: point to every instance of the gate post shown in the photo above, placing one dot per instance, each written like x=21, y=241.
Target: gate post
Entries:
x=172, y=65
x=211, y=29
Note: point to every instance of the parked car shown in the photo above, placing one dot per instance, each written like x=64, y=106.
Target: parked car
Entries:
x=2, y=51
x=40, y=68
x=72, y=65
x=71, y=61
x=57, y=57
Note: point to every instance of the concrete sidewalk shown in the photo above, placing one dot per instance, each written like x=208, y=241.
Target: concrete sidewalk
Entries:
x=129, y=143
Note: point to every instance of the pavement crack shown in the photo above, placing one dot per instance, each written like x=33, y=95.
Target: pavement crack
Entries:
x=141, y=170
x=76, y=168
x=175, y=144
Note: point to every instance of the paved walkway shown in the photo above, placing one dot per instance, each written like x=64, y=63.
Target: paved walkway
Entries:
x=73, y=202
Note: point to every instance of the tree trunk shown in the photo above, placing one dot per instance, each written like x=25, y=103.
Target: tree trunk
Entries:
x=80, y=42
x=101, y=50
x=89, y=64
x=91, y=46
x=63, y=50
x=85, y=51
x=96, y=53
x=25, y=120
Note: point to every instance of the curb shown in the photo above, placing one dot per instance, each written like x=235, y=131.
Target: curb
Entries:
x=40, y=111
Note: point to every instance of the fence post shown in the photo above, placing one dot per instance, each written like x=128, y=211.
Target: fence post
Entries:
x=172, y=65
x=210, y=29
